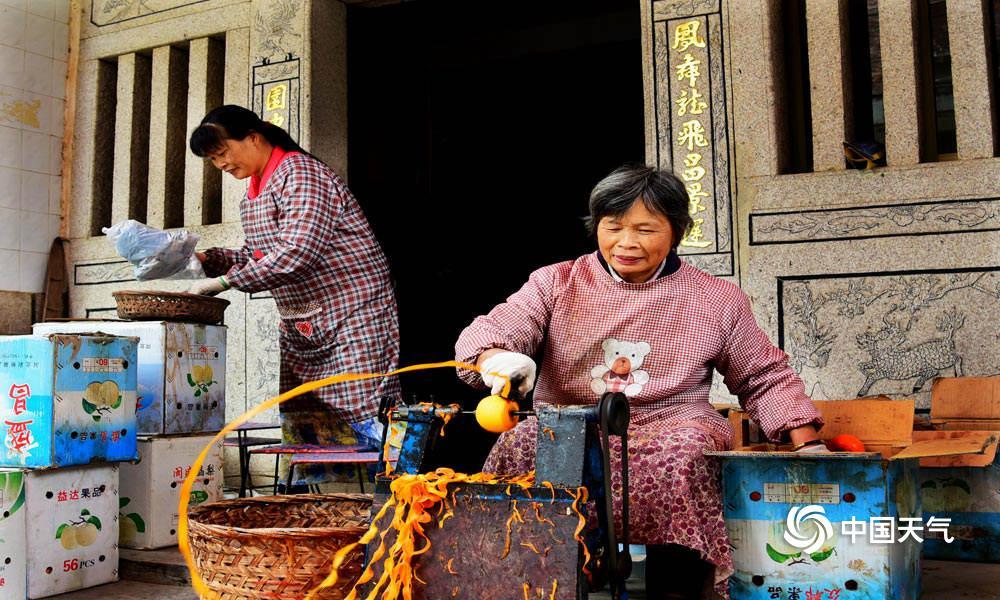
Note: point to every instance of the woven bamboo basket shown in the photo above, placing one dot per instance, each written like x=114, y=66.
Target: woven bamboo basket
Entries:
x=169, y=306
x=278, y=547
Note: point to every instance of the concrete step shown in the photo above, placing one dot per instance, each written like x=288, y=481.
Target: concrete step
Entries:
x=131, y=590
x=164, y=566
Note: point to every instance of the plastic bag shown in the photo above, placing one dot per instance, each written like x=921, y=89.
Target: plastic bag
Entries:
x=154, y=253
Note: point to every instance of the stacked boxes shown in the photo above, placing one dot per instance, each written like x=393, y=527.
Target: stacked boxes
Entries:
x=963, y=488
x=67, y=405
x=181, y=405
x=815, y=523
x=181, y=376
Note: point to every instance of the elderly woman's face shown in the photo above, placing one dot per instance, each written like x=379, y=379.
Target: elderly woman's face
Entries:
x=636, y=243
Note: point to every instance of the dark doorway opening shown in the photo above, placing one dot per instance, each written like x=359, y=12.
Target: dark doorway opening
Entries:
x=476, y=131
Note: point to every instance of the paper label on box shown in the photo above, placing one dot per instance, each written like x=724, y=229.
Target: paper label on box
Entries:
x=203, y=352
x=802, y=493
x=103, y=365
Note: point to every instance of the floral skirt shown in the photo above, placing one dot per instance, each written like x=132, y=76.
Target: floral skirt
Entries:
x=675, y=491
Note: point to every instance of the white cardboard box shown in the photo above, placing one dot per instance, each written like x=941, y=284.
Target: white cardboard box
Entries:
x=150, y=489
x=72, y=529
x=181, y=374
x=13, y=538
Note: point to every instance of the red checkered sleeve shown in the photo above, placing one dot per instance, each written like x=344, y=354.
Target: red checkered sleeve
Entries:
x=311, y=207
x=518, y=325
x=218, y=261
x=759, y=374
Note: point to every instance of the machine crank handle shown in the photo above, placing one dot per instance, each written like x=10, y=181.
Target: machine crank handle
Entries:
x=614, y=419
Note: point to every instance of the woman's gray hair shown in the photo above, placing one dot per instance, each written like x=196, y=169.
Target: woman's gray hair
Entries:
x=661, y=191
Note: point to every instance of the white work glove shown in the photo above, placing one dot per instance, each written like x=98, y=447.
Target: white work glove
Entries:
x=518, y=367
x=813, y=449
x=209, y=287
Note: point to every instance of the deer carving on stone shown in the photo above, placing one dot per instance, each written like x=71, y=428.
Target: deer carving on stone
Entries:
x=892, y=359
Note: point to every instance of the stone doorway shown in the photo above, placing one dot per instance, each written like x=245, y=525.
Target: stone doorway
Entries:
x=475, y=132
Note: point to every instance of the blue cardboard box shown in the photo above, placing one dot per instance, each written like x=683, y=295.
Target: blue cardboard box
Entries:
x=803, y=524
x=67, y=400
x=181, y=372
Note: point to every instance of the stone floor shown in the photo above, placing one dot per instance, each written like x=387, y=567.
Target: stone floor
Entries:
x=941, y=581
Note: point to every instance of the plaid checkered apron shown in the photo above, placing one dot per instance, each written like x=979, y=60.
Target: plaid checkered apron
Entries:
x=309, y=244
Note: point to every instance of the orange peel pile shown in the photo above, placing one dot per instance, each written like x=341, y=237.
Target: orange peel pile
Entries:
x=416, y=501
x=183, y=541
x=413, y=498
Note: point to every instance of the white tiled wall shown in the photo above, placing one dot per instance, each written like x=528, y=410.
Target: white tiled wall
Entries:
x=34, y=44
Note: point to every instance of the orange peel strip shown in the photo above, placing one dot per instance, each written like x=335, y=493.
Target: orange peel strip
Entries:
x=555, y=585
x=581, y=496
x=539, y=517
x=506, y=542
x=444, y=518
x=446, y=418
x=531, y=546
x=450, y=568
x=515, y=512
x=552, y=489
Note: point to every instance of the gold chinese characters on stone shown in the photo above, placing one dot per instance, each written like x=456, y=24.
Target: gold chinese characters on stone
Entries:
x=691, y=138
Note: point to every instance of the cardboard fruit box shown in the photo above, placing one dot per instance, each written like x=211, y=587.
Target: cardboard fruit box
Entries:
x=150, y=488
x=963, y=488
x=794, y=520
x=67, y=400
x=13, y=538
x=181, y=372
x=69, y=535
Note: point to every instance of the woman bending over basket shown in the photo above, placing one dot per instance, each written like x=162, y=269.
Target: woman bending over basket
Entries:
x=307, y=243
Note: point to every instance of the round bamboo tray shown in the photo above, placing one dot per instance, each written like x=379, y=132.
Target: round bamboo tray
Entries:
x=169, y=306
x=278, y=547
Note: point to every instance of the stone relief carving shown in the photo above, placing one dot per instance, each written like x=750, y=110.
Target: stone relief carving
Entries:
x=716, y=264
x=262, y=354
x=276, y=30
x=105, y=272
x=677, y=10
x=107, y=12
x=890, y=334
x=893, y=358
x=943, y=217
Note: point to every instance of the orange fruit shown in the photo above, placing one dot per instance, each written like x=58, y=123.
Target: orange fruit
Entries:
x=493, y=414
x=846, y=442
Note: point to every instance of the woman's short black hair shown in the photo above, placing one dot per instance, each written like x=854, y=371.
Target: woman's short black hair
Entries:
x=232, y=122
x=661, y=191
